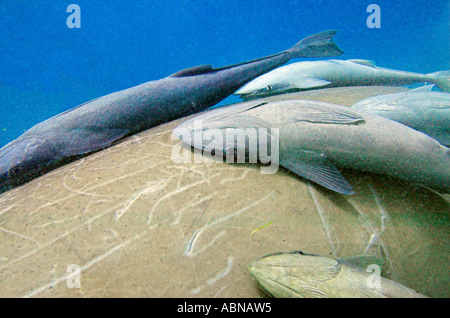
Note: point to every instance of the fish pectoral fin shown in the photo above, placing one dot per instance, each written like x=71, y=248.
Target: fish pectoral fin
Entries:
x=308, y=291
x=321, y=113
x=317, y=168
x=423, y=89
x=308, y=82
x=91, y=138
x=363, y=62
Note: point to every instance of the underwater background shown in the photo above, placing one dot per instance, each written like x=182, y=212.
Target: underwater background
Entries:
x=47, y=67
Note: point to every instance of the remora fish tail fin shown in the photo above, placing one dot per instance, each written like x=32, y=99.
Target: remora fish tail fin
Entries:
x=317, y=45
x=441, y=79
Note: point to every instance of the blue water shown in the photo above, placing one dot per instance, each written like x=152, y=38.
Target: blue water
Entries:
x=47, y=68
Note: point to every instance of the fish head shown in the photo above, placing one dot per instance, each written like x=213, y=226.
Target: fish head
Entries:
x=24, y=157
x=263, y=90
x=229, y=130
x=293, y=274
x=209, y=134
x=381, y=103
x=195, y=131
x=275, y=82
x=370, y=103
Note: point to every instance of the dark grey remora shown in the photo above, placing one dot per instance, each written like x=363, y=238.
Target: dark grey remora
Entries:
x=317, y=138
x=97, y=124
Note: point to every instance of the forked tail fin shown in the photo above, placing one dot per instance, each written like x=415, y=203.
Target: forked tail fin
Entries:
x=441, y=79
x=317, y=45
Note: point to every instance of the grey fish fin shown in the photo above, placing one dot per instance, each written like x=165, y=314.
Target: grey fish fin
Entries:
x=322, y=113
x=308, y=291
x=363, y=62
x=91, y=138
x=441, y=79
x=317, y=168
x=308, y=82
x=362, y=261
x=196, y=70
x=317, y=45
x=422, y=89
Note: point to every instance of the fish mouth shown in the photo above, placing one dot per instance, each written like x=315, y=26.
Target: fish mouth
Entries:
x=252, y=95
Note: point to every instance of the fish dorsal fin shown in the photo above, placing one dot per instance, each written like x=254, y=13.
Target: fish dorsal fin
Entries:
x=422, y=89
x=323, y=113
x=363, y=62
x=316, y=167
x=196, y=70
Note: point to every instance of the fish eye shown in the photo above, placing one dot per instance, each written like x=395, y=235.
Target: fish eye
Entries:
x=269, y=87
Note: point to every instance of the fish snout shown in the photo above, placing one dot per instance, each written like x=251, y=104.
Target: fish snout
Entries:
x=24, y=157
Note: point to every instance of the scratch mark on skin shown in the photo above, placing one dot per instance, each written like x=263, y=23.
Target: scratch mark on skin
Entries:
x=384, y=218
x=86, y=266
x=168, y=195
x=376, y=235
x=242, y=177
x=153, y=188
x=322, y=218
x=86, y=188
x=9, y=208
x=190, y=206
x=36, y=188
x=220, y=291
x=197, y=234
x=218, y=276
x=191, y=243
x=19, y=235
x=53, y=222
x=42, y=246
x=6, y=196
x=383, y=212
x=51, y=203
x=84, y=191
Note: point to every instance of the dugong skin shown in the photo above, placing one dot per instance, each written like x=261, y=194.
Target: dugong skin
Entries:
x=139, y=225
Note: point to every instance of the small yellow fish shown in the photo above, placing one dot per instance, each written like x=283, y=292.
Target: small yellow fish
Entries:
x=259, y=228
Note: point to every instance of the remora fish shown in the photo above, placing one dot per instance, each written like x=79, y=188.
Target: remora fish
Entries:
x=298, y=275
x=332, y=73
x=421, y=108
x=315, y=137
x=98, y=123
